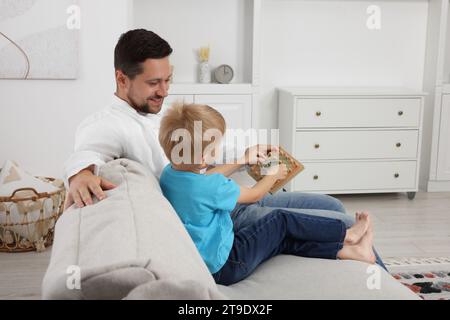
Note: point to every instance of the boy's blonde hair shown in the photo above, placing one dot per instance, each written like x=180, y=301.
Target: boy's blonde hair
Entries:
x=184, y=116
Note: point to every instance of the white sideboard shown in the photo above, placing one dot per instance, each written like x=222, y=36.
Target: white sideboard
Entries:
x=353, y=140
x=234, y=102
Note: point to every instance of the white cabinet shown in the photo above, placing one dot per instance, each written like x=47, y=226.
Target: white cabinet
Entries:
x=353, y=140
x=357, y=112
x=357, y=144
x=443, y=165
x=437, y=82
x=235, y=108
x=357, y=176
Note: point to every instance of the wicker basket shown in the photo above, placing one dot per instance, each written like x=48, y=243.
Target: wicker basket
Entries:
x=28, y=218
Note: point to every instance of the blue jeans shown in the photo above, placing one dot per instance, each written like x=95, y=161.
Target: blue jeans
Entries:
x=306, y=203
x=281, y=231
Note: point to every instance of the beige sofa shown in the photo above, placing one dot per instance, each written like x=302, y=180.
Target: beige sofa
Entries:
x=132, y=245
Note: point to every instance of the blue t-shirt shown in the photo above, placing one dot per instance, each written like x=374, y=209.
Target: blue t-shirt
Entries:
x=204, y=203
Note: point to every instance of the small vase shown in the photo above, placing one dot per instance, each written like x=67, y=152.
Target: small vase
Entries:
x=204, y=72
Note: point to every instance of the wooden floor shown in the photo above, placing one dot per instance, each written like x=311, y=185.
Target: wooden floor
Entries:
x=407, y=228
x=403, y=228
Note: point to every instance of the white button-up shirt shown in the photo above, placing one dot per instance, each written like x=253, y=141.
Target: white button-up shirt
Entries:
x=118, y=131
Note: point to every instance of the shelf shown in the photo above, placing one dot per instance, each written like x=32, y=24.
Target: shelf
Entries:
x=210, y=88
x=225, y=26
x=347, y=91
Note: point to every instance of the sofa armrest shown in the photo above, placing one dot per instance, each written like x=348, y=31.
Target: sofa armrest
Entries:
x=131, y=238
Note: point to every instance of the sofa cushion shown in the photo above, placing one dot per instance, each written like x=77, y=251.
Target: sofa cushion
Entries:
x=291, y=277
x=132, y=245
x=173, y=290
x=131, y=238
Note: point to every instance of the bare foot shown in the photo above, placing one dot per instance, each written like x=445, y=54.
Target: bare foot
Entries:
x=362, y=251
x=357, y=231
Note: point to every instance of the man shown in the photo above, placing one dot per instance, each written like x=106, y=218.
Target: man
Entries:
x=128, y=128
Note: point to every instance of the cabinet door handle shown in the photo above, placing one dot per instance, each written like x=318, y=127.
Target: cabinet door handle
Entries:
x=317, y=146
x=396, y=175
x=400, y=113
x=318, y=113
x=398, y=144
x=316, y=177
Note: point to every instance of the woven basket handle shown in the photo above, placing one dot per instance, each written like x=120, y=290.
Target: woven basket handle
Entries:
x=24, y=189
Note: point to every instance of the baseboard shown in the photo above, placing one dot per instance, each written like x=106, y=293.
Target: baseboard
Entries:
x=438, y=186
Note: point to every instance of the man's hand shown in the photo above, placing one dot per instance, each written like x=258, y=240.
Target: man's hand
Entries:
x=82, y=185
x=258, y=153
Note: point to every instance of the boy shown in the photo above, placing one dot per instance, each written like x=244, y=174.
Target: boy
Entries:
x=204, y=203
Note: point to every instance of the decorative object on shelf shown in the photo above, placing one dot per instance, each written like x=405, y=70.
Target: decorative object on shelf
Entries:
x=28, y=214
x=204, y=69
x=223, y=73
x=257, y=171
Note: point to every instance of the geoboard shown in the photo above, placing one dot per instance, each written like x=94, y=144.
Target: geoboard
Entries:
x=294, y=167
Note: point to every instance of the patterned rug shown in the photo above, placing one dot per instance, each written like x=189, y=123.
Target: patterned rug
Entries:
x=429, y=278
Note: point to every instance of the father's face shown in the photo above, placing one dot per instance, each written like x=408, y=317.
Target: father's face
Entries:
x=148, y=89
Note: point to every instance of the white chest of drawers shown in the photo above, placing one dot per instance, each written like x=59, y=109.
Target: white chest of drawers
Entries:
x=353, y=140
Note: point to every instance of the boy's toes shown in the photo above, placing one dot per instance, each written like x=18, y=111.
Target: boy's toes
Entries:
x=372, y=258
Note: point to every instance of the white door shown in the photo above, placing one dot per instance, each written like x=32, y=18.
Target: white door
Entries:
x=236, y=109
x=443, y=167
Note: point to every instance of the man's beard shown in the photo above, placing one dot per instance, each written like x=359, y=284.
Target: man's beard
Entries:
x=143, y=108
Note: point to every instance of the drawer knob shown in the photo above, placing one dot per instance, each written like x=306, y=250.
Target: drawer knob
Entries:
x=400, y=113
x=316, y=177
x=318, y=113
x=398, y=144
x=396, y=175
x=317, y=146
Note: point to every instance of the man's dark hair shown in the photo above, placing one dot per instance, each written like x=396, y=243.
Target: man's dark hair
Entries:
x=136, y=46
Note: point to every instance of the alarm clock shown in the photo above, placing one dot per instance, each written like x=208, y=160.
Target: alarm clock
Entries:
x=223, y=73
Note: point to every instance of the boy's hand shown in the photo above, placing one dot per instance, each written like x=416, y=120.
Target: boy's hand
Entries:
x=280, y=171
x=258, y=153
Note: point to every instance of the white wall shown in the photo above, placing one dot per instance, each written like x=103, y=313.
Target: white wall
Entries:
x=308, y=43
x=447, y=60
x=224, y=25
x=38, y=118
x=304, y=43
x=327, y=43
